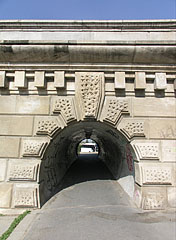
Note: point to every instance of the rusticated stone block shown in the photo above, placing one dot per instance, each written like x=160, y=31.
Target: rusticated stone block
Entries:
x=160, y=81
x=59, y=79
x=65, y=106
x=114, y=108
x=9, y=147
x=20, y=80
x=153, y=174
x=134, y=128
x=154, y=200
x=119, y=82
x=140, y=80
x=154, y=107
x=162, y=128
x=168, y=149
x=89, y=92
x=5, y=195
x=157, y=175
x=25, y=196
x=16, y=125
x=23, y=170
x=3, y=165
x=39, y=79
x=47, y=126
x=171, y=194
x=147, y=150
x=24, y=105
x=33, y=148
x=2, y=79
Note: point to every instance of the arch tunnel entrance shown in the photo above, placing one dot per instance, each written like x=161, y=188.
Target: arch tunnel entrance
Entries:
x=114, y=152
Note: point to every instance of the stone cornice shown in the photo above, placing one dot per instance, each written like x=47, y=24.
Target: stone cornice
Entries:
x=90, y=52
x=88, y=25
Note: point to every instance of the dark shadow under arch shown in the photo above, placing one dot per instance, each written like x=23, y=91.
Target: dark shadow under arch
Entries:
x=62, y=153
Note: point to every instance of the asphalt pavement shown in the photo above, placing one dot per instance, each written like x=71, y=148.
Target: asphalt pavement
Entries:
x=93, y=206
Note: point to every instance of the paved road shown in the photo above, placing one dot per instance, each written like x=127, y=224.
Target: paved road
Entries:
x=92, y=206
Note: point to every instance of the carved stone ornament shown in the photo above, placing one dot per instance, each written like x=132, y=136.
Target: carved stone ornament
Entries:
x=25, y=197
x=33, y=148
x=147, y=150
x=157, y=175
x=89, y=92
x=154, y=201
x=114, y=109
x=65, y=107
x=48, y=127
x=134, y=129
x=23, y=172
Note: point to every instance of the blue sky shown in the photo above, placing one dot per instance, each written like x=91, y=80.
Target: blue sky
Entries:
x=88, y=9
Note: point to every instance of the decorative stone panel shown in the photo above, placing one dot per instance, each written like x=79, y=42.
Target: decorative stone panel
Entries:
x=114, y=109
x=89, y=92
x=147, y=150
x=154, y=201
x=23, y=171
x=26, y=197
x=153, y=174
x=33, y=148
x=47, y=127
x=134, y=129
x=65, y=106
x=157, y=175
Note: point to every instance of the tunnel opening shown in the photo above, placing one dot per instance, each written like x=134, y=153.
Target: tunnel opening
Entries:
x=88, y=146
x=63, y=165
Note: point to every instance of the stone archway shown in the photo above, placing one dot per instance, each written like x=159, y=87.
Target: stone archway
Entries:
x=107, y=86
x=115, y=152
x=88, y=113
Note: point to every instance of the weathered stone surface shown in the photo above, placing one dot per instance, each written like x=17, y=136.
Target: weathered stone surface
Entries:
x=119, y=82
x=168, y=150
x=24, y=104
x=160, y=81
x=162, y=128
x=2, y=79
x=89, y=93
x=47, y=125
x=140, y=80
x=5, y=195
x=39, y=79
x=154, y=198
x=59, y=79
x=20, y=81
x=23, y=170
x=9, y=147
x=146, y=150
x=114, y=108
x=171, y=192
x=154, y=107
x=154, y=174
x=15, y=125
x=3, y=164
x=33, y=147
x=133, y=128
x=65, y=107
x=32, y=104
x=26, y=195
x=113, y=83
